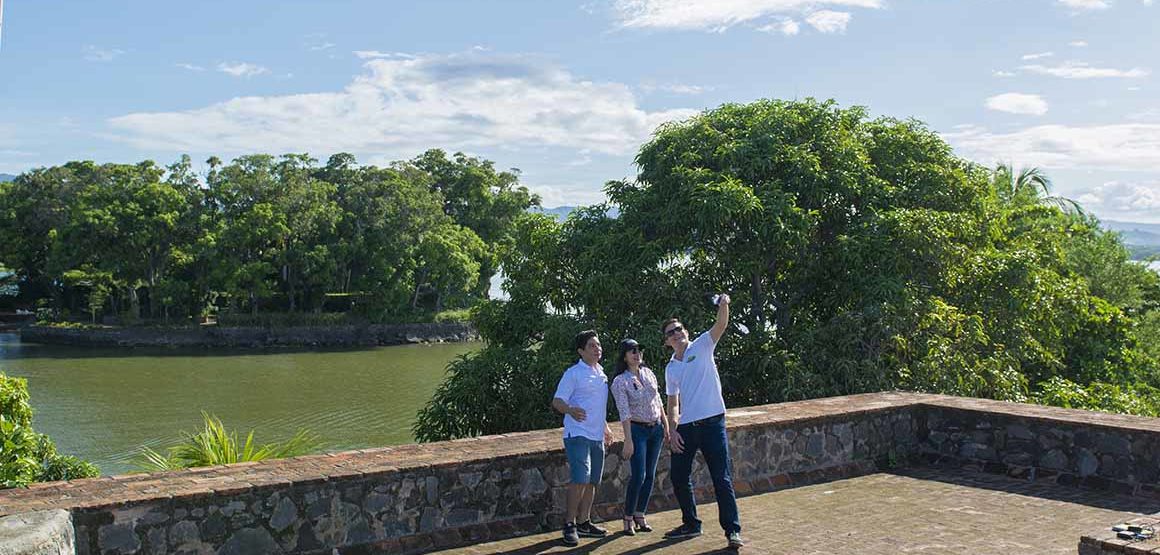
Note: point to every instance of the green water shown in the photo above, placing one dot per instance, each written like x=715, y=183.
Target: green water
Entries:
x=102, y=404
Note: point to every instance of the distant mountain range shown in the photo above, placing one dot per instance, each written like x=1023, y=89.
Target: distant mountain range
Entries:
x=6, y=177
x=1135, y=233
x=559, y=212
x=1142, y=240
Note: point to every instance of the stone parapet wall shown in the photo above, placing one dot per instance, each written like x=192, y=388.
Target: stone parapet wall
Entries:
x=1070, y=447
x=417, y=497
x=1105, y=542
x=215, y=336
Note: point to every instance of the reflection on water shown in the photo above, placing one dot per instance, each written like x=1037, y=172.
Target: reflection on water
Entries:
x=101, y=404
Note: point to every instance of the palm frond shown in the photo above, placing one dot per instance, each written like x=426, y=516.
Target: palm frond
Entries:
x=216, y=445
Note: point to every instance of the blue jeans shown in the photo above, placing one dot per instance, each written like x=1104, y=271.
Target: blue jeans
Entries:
x=708, y=436
x=646, y=449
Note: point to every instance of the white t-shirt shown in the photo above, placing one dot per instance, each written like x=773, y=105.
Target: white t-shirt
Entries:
x=585, y=387
x=696, y=380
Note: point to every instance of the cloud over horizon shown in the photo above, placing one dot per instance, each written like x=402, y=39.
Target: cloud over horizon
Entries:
x=401, y=105
x=1128, y=146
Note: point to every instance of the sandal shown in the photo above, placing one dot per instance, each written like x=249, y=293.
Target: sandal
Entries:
x=628, y=530
x=641, y=524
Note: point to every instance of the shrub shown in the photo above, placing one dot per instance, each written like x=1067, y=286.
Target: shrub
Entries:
x=27, y=456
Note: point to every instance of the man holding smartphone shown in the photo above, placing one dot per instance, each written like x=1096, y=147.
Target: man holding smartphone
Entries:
x=697, y=423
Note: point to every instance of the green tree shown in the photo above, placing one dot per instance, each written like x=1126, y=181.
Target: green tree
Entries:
x=28, y=456
x=861, y=253
x=478, y=198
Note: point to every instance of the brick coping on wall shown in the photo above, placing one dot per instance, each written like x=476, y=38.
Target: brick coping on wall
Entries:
x=112, y=491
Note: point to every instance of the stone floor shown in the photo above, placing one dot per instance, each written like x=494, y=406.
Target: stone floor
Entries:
x=910, y=511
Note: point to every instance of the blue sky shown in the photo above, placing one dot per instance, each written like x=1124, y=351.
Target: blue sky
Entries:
x=567, y=91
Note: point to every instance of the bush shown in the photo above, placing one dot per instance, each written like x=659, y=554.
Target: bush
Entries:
x=1140, y=399
x=461, y=315
x=28, y=456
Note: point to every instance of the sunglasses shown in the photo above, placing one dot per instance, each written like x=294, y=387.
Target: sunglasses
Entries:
x=635, y=350
x=675, y=329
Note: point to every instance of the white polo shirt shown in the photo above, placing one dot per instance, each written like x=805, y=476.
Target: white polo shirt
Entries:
x=696, y=380
x=585, y=387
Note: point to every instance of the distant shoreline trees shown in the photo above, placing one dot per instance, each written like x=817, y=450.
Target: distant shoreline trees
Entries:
x=257, y=235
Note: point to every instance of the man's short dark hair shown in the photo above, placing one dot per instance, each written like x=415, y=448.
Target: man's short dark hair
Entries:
x=582, y=338
x=668, y=323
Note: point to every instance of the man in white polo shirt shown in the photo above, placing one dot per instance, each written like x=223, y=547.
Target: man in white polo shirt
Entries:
x=697, y=421
x=582, y=396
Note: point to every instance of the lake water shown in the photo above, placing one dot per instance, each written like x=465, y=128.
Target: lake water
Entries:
x=103, y=404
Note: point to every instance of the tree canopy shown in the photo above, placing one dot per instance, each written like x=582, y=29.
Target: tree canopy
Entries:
x=261, y=233
x=861, y=253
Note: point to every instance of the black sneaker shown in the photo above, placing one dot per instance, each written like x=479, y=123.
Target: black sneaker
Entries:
x=589, y=530
x=683, y=531
x=735, y=542
x=571, y=538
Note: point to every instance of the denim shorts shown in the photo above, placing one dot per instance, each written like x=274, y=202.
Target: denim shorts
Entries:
x=585, y=459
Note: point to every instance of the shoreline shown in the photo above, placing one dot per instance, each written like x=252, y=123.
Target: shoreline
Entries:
x=210, y=337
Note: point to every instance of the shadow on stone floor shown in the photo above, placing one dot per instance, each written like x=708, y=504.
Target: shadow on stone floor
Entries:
x=556, y=546
x=1042, y=489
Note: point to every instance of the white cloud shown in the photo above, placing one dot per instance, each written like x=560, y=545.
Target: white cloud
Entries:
x=1038, y=55
x=320, y=46
x=402, y=106
x=675, y=88
x=1082, y=70
x=717, y=15
x=828, y=21
x=376, y=54
x=1001, y=73
x=565, y=194
x=241, y=69
x=1085, y=5
x=95, y=54
x=190, y=67
x=1129, y=146
x=1018, y=103
x=785, y=26
x=1124, y=198
x=1078, y=43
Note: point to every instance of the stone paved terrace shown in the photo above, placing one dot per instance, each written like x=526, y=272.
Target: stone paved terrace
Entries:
x=924, y=510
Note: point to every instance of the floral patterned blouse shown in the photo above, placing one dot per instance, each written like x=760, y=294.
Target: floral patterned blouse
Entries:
x=637, y=399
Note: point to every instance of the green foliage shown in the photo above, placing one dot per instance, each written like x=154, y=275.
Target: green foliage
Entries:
x=1139, y=399
x=860, y=253
x=27, y=456
x=458, y=315
x=259, y=234
x=215, y=445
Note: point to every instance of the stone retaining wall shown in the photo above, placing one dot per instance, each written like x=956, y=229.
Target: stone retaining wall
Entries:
x=416, y=497
x=214, y=336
